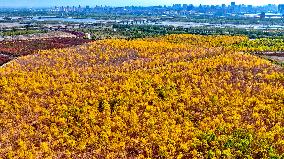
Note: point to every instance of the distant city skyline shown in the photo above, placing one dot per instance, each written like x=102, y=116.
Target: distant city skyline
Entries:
x=50, y=3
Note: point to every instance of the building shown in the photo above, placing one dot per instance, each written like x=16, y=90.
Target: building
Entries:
x=262, y=15
x=233, y=4
x=281, y=8
x=177, y=6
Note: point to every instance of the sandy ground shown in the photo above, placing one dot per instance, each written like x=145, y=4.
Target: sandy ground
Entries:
x=54, y=34
x=276, y=56
x=10, y=25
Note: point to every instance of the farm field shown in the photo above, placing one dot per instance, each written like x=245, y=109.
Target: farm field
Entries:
x=175, y=96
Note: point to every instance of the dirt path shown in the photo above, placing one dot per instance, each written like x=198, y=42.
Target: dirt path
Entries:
x=275, y=56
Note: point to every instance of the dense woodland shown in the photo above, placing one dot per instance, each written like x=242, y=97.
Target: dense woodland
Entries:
x=141, y=91
x=174, y=96
x=141, y=31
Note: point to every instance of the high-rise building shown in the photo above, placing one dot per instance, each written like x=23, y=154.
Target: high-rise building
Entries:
x=262, y=15
x=281, y=8
x=177, y=6
x=233, y=4
x=190, y=7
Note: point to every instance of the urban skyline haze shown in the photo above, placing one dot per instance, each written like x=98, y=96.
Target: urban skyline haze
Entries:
x=50, y=3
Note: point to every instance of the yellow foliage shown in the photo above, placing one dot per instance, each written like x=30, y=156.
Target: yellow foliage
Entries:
x=177, y=96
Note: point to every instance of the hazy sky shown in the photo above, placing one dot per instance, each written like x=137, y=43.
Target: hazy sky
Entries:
x=36, y=3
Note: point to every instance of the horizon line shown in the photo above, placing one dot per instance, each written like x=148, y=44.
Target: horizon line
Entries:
x=41, y=7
